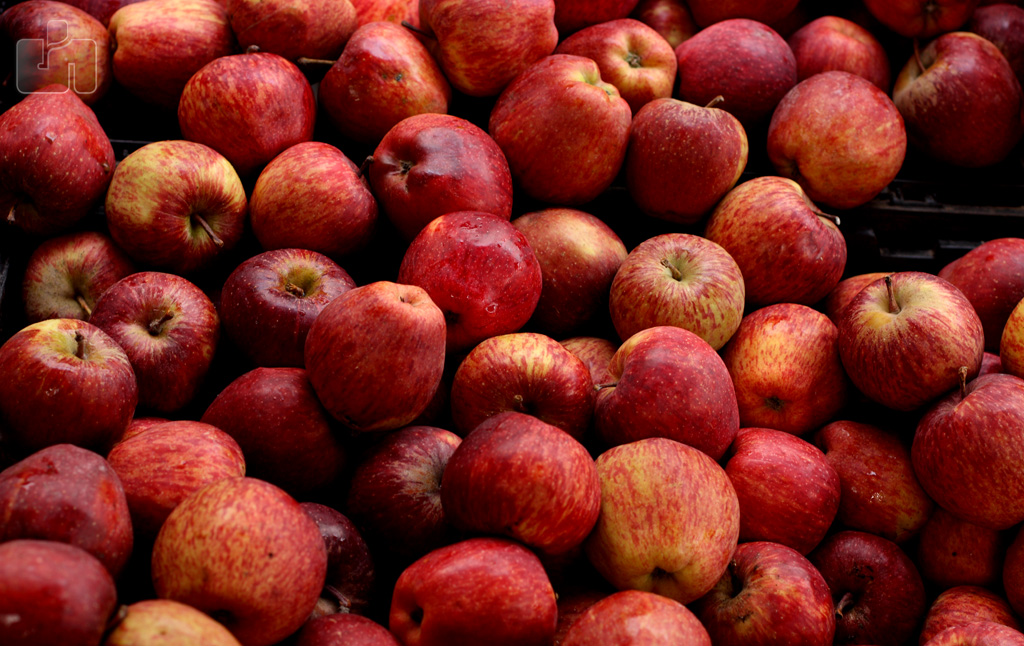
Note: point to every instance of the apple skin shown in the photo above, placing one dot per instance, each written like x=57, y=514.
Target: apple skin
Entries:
x=480, y=590
x=348, y=586
x=844, y=291
x=991, y=276
x=769, y=594
x=524, y=372
x=835, y=43
x=344, y=628
x=65, y=381
x=395, y=491
x=66, y=275
x=668, y=382
x=313, y=197
x=162, y=622
x=965, y=87
x=375, y=355
x=980, y=633
x=245, y=551
x=788, y=491
x=921, y=18
x=276, y=295
x=573, y=15
x=745, y=61
x=632, y=56
x=53, y=594
x=670, y=18
x=39, y=138
x=816, y=137
x=636, y=617
x=248, y=107
x=483, y=44
x=1003, y=24
x=953, y=552
x=316, y=29
x=102, y=10
x=679, y=279
x=878, y=592
x=395, y=11
x=962, y=605
x=906, y=356
x=169, y=329
x=990, y=363
x=880, y=492
x=384, y=75
x=481, y=272
x=595, y=353
x=785, y=367
x=158, y=46
x=683, y=158
x=707, y=12
x=428, y=165
x=68, y=494
x=1011, y=344
x=176, y=206
x=164, y=465
x=1013, y=573
x=563, y=129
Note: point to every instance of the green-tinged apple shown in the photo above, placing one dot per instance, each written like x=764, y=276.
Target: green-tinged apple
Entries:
x=844, y=291
x=788, y=491
x=248, y=107
x=348, y=586
x=162, y=622
x=167, y=463
x=276, y=295
x=596, y=353
x=574, y=15
x=839, y=136
x=65, y=381
x=69, y=494
x=770, y=594
x=157, y=46
x=952, y=552
x=245, y=552
x=683, y=158
x=1003, y=24
x=635, y=617
x=317, y=29
x=53, y=594
x=46, y=136
x=483, y=44
x=707, y=12
x=175, y=205
x=669, y=521
x=904, y=337
x=562, y=128
x=1011, y=344
x=670, y=18
x=480, y=590
x=679, y=279
x=964, y=605
x=66, y=275
x=961, y=101
x=384, y=75
x=668, y=382
x=921, y=18
x=978, y=633
x=344, y=628
x=835, y=43
x=428, y=165
x=168, y=328
x=375, y=355
x=1013, y=573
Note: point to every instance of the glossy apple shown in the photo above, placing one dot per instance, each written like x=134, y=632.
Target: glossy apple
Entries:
x=316, y=29
x=1003, y=24
x=635, y=617
x=834, y=43
x=348, y=586
x=952, y=552
x=344, y=628
x=844, y=291
x=168, y=623
x=978, y=633
x=921, y=18
x=963, y=605
x=707, y=12
x=395, y=11
x=670, y=18
x=596, y=353
x=1011, y=345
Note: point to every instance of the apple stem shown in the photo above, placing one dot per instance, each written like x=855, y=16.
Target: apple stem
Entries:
x=894, y=307
x=209, y=230
x=252, y=49
x=294, y=290
x=155, y=326
x=600, y=387
x=843, y=604
x=365, y=166
x=676, y=274
x=302, y=60
x=10, y=214
x=416, y=30
x=828, y=216
x=115, y=620
x=79, y=344
x=962, y=373
x=83, y=304
x=715, y=101
x=917, y=55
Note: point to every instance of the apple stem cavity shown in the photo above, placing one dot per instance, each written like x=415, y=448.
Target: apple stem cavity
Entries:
x=79, y=345
x=83, y=304
x=155, y=326
x=209, y=230
x=844, y=603
x=294, y=290
x=676, y=274
x=715, y=101
x=894, y=307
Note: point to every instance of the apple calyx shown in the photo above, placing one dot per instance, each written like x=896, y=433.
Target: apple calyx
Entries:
x=676, y=273
x=209, y=230
x=156, y=326
x=774, y=403
x=845, y=602
x=634, y=60
x=894, y=307
x=715, y=101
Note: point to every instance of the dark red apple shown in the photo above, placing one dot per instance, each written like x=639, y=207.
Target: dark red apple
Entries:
x=348, y=586
x=1003, y=24
x=670, y=18
x=636, y=617
x=344, y=628
x=835, y=43
x=952, y=552
x=921, y=18
x=317, y=29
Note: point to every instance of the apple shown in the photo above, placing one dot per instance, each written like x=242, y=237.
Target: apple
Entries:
x=880, y=492
x=830, y=107
x=878, y=593
x=990, y=363
x=921, y=18
x=707, y=12
x=53, y=593
x=963, y=605
x=168, y=328
x=632, y=56
x=636, y=617
x=769, y=594
x=428, y=165
x=175, y=205
x=978, y=633
x=384, y=75
x=745, y=61
x=844, y=291
x=245, y=552
x=316, y=29
x=578, y=255
x=483, y=44
x=1003, y=24
x=904, y=337
x=394, y=495
x=1013, y=573
x=157, y=46
x=269, y=302
x=396, y=11
x=168, y=623
x=563, y=129
x=683, y=158
x=679, y=279
x=574, y=602
x=48, y=135
x=66, y=275
x=596, y=353
x=953, y=552
x=216, y=108
x=65, y=381
x=102, y=10
x=834, y=43
x=481, y=272
x=961, y=101
x=480, y=590
x=574, y=15
x=140, y=425
x=348, y=586
x=344, y=629
x=670, y=18
x=991, y=276
x=1011, y=344
x=375, y=355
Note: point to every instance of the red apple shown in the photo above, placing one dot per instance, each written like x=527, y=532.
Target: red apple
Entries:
x=1003, y=24
x=844, y=291
x=1013, y=573
x=395, y=11
x=707, y=12
x=835, y=43
x=963, y=605
x=1011, y=345
x=315, y=29
x=572, y=604
x=348, y=586
x=102, y=10
x=596, y=353
x=990, y=363
x=921, y=18
x=953, y=552
x=574, y=15
x=636, y=617
x=168, y=623
x=980, y=633
x=670, y=18
x=344, y=628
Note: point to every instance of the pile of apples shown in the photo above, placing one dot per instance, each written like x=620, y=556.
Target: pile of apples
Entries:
x=512, y=322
